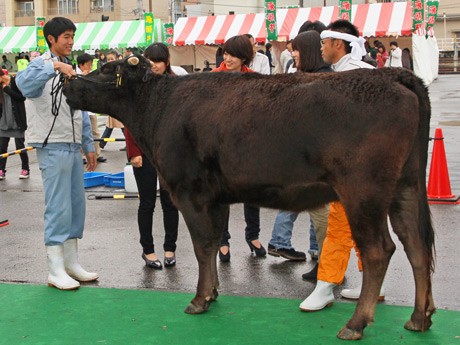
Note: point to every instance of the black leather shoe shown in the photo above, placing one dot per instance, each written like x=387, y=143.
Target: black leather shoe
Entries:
x=101, y=159
x=290, y=254
x=312, y=275
x=224, y=257
x=152, y=264
x=258, y=251
x=169, y=262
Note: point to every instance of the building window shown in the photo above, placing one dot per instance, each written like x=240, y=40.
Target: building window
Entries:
x=102, y=5
x=68, y=7
x=25, y=9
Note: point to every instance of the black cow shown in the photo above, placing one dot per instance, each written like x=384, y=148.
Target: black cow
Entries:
x=320, y=138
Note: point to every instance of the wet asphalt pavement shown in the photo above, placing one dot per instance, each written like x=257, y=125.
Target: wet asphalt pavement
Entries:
x=110, y=244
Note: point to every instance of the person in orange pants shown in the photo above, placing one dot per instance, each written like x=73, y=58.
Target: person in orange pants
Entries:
x=334, y=261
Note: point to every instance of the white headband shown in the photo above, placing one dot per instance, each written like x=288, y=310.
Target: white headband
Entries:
x=358, y=50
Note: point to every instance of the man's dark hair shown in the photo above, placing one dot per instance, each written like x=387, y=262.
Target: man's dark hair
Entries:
x=312, y=26
x=249, y=36
x=394, y=43
x=240, y=47
x=57, y=26
x=346, y=27
x=84, y=58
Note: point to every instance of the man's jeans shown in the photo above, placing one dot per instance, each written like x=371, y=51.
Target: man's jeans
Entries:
x=282, y=231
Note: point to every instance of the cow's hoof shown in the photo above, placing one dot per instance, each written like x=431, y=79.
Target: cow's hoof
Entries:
x=196, y=309
x=349, y=334
x=418, y=326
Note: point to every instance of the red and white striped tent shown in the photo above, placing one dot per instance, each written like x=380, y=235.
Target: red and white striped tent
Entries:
x=372, y=20
x=218, y=29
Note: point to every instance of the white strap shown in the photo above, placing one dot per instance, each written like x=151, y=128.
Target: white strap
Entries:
x=358, y=50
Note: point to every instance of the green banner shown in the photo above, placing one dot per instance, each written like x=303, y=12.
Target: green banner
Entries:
x=431, y=14
x=345, y=9
x=148, y=25
x=270, y=20
x=169, y=33
x=41, y=42
x=418, y=15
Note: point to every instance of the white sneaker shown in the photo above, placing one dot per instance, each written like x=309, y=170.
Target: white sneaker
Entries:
x=356, y=292
x=320, y=298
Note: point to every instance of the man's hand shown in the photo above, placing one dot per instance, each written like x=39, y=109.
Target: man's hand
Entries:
x=92, y=162
x=64, y=68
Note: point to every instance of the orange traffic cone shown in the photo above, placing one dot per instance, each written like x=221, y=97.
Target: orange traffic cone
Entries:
x=439, y=191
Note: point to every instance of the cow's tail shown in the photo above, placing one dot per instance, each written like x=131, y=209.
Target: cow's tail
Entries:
x=415, y=84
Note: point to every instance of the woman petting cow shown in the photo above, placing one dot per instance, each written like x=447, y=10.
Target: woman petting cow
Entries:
x=146, y=176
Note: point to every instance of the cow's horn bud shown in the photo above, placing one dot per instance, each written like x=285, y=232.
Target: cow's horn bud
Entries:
x=133, y=60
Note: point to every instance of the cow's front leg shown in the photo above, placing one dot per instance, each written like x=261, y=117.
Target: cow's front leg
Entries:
x=206, y=230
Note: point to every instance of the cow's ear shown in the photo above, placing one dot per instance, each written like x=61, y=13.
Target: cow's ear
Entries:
x=133, y=60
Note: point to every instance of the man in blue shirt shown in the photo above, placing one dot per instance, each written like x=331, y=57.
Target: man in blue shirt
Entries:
x=58, y=133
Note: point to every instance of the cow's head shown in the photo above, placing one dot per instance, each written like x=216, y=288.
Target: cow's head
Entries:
x=109, y=87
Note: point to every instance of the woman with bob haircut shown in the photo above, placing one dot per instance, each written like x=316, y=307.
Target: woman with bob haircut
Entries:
x=238, y=55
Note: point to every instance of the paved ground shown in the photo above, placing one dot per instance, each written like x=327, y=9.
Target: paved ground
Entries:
x=111, y=247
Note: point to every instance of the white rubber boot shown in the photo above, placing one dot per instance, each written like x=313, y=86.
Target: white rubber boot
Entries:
x=72, y=266
x=356, y=292
x=57, y=276
x=320, y=298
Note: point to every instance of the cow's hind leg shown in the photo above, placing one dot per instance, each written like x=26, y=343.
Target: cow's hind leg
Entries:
x=205, y=229
x=410, y=220
x=369, y=227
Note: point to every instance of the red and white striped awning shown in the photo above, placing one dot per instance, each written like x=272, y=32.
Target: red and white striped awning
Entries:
x=218, y=29
x=372, y=20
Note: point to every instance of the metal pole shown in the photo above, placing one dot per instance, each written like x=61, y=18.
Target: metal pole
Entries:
x=455, y=53
x=173, y=11
x=445, y=27
x=150, y=6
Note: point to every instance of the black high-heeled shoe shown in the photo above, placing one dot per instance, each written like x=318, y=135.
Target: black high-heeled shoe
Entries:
x=156, y=264
x=170, y=261
x=258, y=251
x=224, y=257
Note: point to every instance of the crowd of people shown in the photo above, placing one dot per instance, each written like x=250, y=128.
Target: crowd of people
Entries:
x=59, y=141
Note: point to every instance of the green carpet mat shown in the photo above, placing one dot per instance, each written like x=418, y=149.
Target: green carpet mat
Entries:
x=31, y=314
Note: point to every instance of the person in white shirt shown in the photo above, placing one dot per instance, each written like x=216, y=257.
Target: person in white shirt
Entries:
x=177, y=70
x=286, y=56
x=395, y=59
x=260, y=62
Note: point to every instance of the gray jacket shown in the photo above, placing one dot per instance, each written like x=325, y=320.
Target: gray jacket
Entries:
x=35, y=83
